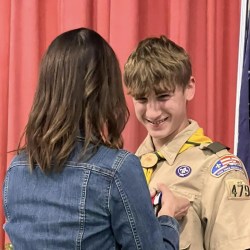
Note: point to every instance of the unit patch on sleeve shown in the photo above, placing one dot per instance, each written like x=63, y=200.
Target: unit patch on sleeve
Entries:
x=226, y=164
x=237, y=189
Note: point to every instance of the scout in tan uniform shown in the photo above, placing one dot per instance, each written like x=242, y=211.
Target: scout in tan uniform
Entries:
x=176, y=152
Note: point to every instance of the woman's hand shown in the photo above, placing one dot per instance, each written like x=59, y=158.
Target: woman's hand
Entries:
x=171, y=205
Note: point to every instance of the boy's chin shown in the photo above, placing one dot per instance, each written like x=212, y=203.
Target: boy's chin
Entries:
x=158, y=136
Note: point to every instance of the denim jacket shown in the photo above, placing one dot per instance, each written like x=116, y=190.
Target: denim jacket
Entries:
x=101, y=204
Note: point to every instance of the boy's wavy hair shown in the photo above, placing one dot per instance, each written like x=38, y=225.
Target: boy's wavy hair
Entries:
x=157, y=64
x=79, y=93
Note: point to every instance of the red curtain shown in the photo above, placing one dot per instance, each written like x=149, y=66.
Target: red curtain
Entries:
x=208, y=29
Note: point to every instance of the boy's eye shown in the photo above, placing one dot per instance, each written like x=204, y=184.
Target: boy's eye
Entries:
x=141, y=99
x=163, y=96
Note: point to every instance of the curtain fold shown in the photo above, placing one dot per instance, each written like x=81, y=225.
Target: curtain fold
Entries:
x=208, y=29
x=4, y=80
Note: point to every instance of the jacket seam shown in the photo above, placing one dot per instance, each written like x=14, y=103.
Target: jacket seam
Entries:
x=117, y=165
x=82, y=215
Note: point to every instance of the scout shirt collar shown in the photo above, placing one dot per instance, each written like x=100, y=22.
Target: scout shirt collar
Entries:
x=170, y=150
x=177, y=145
x=191, y=136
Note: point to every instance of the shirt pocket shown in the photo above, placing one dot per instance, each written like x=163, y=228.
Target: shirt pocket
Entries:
x=186, y=234
x=191, y=237
x=185, y=225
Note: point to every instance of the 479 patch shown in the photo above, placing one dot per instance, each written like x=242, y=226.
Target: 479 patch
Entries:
x=237, y=189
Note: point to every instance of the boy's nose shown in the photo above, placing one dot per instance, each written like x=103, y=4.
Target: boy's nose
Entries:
x=153, y=111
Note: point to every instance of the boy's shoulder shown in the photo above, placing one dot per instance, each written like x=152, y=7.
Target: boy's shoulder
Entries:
x=222, y=161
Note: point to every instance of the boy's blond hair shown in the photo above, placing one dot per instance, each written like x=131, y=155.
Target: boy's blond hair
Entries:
x=157, y=64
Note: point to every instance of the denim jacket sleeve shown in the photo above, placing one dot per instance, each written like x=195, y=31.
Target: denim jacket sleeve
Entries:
x=133, y=221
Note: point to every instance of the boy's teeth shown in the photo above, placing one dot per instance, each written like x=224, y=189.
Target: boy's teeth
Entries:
x=158, y=122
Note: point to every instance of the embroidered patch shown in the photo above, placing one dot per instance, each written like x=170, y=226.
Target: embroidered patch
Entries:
x=226, y=164
x=237, y=189
x=183, y=171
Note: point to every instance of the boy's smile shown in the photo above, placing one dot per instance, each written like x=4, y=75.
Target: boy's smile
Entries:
x=158, y=122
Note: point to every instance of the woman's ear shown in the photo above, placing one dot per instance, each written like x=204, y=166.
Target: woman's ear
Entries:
x=190, y=89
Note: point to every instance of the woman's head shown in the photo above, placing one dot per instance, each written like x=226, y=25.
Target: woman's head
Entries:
x=79, y=93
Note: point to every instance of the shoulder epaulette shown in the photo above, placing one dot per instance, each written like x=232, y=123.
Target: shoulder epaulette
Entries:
x=215, y=147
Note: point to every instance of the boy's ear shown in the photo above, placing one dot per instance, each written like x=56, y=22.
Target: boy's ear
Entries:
x=190, y=89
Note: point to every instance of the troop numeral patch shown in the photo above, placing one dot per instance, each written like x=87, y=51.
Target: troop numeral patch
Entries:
x=237, y=189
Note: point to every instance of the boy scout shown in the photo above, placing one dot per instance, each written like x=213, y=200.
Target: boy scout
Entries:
x=158, y=76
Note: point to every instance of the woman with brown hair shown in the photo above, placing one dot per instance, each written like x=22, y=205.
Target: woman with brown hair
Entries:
x=71, y=186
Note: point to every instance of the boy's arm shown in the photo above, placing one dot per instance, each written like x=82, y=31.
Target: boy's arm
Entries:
x=226, y=208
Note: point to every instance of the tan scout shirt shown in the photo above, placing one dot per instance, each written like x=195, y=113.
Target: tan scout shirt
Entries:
x=219, y=216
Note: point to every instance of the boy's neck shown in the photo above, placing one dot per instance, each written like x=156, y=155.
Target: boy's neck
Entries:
x=159, y=143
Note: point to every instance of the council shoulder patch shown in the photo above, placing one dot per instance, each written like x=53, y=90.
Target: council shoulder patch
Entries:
x=226, y=164
x=237, y=189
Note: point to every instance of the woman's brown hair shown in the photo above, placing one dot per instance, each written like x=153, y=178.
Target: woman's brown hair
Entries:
x=79, y=93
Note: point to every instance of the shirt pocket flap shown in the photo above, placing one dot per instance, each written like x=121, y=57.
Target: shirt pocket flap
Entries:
x=185, y=245
x=184, y=193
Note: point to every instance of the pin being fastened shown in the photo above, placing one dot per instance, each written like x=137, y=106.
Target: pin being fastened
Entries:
x=156, y=201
